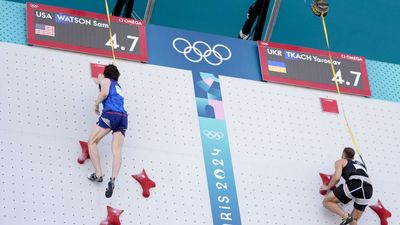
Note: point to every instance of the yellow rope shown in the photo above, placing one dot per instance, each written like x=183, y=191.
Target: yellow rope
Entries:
x=109, y=26
x=352, y=136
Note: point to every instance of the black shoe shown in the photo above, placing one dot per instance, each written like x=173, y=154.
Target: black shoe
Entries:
x=93, y=177
x=243, y=36
x=110, y=189
x=347, y=220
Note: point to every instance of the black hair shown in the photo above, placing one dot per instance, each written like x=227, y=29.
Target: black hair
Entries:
x=111, y=72
x=349, y=152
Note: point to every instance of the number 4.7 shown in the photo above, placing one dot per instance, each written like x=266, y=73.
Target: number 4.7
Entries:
x=116, y=46
x=341, y=81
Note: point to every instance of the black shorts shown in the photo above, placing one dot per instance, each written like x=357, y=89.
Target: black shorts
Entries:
x=357, y=190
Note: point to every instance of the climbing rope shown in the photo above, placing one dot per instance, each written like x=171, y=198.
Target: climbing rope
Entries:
x=352, y=136
x=110, y=31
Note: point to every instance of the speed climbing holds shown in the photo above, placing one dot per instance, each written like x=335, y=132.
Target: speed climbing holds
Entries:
x=145, y=182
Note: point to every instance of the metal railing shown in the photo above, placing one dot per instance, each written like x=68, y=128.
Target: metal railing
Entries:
x=147, y=14
x=272, y=20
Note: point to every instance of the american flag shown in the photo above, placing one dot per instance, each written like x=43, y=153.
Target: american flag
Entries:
x=46, y=30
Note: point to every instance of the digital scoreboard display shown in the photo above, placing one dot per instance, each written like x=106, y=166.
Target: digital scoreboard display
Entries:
x=311, y=68
x=85, y=32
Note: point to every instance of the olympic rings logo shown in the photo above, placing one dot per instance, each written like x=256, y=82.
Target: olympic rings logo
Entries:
x=199, y=55
x=213, y=135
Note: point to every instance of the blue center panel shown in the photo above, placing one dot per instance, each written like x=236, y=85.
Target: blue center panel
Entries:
x=216, y=151
x=195, y=51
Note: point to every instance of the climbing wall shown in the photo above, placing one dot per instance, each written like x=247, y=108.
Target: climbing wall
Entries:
x=280, y=140
x=46, y=107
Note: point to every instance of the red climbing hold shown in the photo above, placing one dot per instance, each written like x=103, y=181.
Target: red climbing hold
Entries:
x=97, y=69
x=145, y=182
x=85, y=152
x=329, y=105
x=383, y=213
x=325, y=180
x=112, y=216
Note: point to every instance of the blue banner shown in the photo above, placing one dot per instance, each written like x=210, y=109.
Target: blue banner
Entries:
x=217, y=157
x=203, y=52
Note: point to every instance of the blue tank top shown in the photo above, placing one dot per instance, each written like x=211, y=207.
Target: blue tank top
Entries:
x=115, y=99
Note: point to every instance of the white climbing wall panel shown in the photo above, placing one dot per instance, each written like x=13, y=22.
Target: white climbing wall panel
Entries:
x=280, y=140
x=46, y=107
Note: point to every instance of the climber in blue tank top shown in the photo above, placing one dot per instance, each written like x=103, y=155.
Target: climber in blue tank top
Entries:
x=115, y=99
x=113, y=118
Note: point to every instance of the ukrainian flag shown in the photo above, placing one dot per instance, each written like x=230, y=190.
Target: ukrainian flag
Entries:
x=276, y=66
